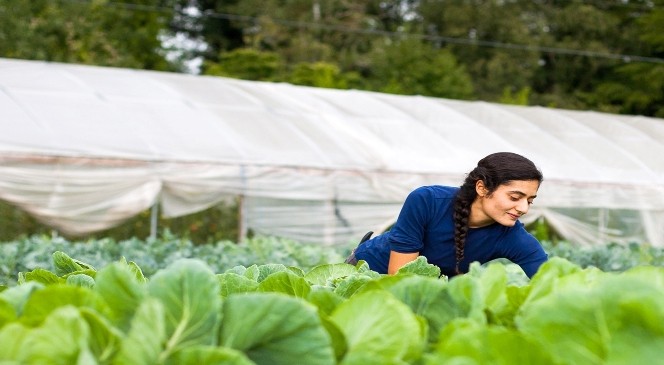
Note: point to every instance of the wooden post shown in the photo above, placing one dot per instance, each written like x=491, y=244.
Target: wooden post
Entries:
x=241, y=208
x=241, y=220
x=154, y=215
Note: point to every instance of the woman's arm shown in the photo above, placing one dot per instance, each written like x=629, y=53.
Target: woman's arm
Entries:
x=525, y=250
x=407, y=235
x=398, y=259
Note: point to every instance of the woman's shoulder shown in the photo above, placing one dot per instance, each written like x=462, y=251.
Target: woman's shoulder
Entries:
x=431, y=200
x=437, y=191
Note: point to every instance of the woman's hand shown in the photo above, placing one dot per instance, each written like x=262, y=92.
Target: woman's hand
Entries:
x=398, y=259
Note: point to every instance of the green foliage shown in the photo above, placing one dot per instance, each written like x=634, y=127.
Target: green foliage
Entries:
x=251, y=64
x=415, y=68
x=211, y=225
x=650, y=27
x=275, y=328
x=190, y=294
x=180, y=315
x=29, y=254
x=542, y=231
x=634, y=88
x=609, y=257
x=518, y=98
x=420, y=266
x=248, y=64
x=321, y=74
x=388, y=328
x=83, y=32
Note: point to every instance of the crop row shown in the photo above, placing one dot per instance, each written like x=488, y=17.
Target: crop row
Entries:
x=331, y=314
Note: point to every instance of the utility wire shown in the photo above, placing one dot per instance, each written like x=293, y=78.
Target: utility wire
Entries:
x=464, y=41
x=336, y=28
x=647, y=5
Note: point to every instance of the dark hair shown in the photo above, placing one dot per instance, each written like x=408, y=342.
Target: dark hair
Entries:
x=494, y=170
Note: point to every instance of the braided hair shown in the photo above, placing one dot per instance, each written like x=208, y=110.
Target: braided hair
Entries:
x=493, y=170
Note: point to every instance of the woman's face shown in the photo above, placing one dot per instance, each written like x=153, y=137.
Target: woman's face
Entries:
x=504, y=205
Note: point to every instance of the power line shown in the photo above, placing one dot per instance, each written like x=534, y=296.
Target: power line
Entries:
x=648, y=5
x=454, y=40
x=391, y=34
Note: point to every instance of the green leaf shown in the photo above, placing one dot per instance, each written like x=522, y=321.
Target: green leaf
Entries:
x=120, y=288
x=81, y=280
x=362, y=266
x=189, y=291
x=21, y=278
x=428, y=297
x=65, y=264
x=43, y=276
x=42, y=302
x=328, y=273
x=17, y=296
x=86, y=357
x=12, y=337
x=138, y=272
x=325, y=299
x=466, y=293
x=134, y=268
x=377, y=322
x=239, y=270
x=7, y=312
x=252, y=272
x=464, y=338
x=285, y=282
x=269, y=269
x=59, y=340
x=653, y=274
x=211, y=355
x=104, y=340
x=368, y=357
x=609, y=320
x=546, y=278
x=383, y=283
x=276, y=329
x=492, y=281
x=420, y=266
x=338, y=339
x=89, y=272
x=144, y=344
x=231, y=283
x=297, y=271
x=347, y=286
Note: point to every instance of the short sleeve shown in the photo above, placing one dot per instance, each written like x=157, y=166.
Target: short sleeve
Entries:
x=407, y=235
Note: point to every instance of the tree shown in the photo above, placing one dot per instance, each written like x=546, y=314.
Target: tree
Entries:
x=632, y=86
x=475, y=33
x=95, y=33
x=322, y=74
x=413, y=67
x=247, y=64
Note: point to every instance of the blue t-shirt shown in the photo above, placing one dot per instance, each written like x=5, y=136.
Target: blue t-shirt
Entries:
x=426, y=225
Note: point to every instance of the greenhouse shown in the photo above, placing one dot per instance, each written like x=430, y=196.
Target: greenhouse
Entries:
x=84, y=148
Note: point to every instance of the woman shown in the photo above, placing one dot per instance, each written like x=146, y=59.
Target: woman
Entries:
x=454, y=226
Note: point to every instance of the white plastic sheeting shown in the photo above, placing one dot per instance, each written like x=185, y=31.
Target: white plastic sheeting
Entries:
x=83, y=148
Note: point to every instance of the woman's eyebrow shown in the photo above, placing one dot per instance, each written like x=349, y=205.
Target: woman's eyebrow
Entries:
x=521, y=193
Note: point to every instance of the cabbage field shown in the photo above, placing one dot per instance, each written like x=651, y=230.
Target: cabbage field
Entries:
x=331, y=313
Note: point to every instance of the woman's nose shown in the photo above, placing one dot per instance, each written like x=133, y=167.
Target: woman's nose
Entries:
x=522, y=207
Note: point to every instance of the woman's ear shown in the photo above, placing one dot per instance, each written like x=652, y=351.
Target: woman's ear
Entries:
x=480, y=189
